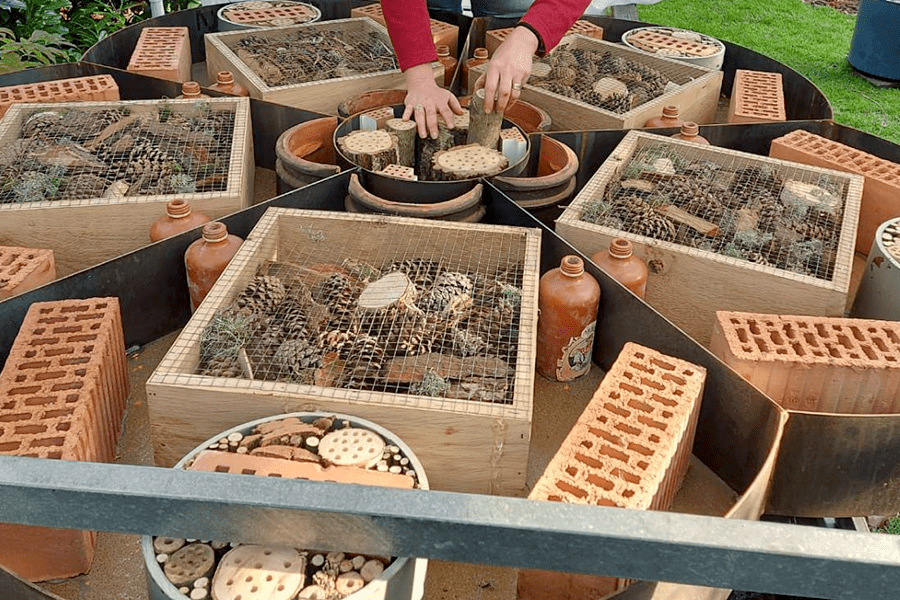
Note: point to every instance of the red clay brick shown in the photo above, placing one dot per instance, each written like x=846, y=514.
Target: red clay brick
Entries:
x=299, y=13
x=756, y=97
x=23, y=269
x=881, y=190
x=263, y=466
x=400, y=172
x=630, y=448
x=92, y=88
x=494, y=37
x=62, y=396
x=441, y=33
x=653, y=41
x=376, y=118
x=163, y=52
x=814, y=363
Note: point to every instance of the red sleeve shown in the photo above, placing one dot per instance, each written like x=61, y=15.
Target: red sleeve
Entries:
x=553, y=18
x=410, y=29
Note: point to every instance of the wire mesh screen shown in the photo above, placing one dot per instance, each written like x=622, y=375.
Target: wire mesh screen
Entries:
x=316, y=52
x=115, y=151
x=422, y=310
x=599, y=78
x=783, y=216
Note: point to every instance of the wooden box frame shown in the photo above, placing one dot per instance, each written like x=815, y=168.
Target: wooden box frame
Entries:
x=697, y=97
x=689, y=285
x=466, y=446
x=320, y=96
x=84, y=233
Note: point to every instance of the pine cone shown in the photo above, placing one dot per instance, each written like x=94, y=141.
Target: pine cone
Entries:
x=492, y=323
x=365, y=362
x=335, y=341
x=296, y=357
x=293, y=319
x=331, y=288
x=563, y=75
x=262, y=295
x=463, y=342
x=420, y=271
x=769, y=216
x=223, y=367
x=338, y=295
x=640, y=218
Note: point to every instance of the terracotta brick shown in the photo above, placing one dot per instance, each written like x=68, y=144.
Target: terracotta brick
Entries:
x=400, y=172
x=629, y=448
x=653, y=41
x=299, y=13
x=494, y=37
x=375, y=119
x=62, y=396
x=441, y=33
x=163, y=52
x=881, y=190
x=814, y=363
x=756, y=97
x=246, y=464
x=92, y=88
x=23, y=269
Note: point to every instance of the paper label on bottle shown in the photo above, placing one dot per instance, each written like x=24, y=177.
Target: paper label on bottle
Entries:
x=576, y=355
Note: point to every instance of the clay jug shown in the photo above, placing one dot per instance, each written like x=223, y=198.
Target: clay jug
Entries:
x=669, y=118
x=190, y=89
x=449, y=62
x=480, y=57
x=690, y=132
x=178, y=218
x=567, y=300
x=206, y=258
x=622, y=265
x=225, y=84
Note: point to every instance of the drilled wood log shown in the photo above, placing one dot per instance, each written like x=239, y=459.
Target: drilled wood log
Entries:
x=429, y=147
x=372, y=150
x=466, y=162
x=406, y=140
x=484, y=129
x=461, y=128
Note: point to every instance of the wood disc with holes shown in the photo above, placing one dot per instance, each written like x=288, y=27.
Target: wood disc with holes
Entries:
x=607, y=87
x=352, y=447
x=392, y=289
x=370, y=149
x=167, y=545
x=466, y=162
x=189, y=564
x=259, y=573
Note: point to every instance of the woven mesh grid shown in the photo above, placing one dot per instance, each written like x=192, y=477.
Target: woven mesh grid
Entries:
x=787, y=217
x=574, y=72
x=422, y=316
x=73, y=154
x=316, y=52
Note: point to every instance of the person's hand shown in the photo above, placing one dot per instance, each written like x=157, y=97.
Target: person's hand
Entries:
x=425, y=100
x=508, y=70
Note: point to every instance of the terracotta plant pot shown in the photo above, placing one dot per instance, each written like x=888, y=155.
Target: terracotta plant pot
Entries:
x=305, y=154
x=369, y=100
x=466, y=207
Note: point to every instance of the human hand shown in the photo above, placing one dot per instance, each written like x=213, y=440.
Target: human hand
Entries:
x=425, y=99
x=508, y=70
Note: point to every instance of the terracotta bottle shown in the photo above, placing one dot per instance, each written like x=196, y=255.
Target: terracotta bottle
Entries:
x=225, y=84
x=622, y=265
x=449, y=62
x=690, y=132
x=190, y=89
x=567, y=302
x=669, y=118
x=206, y=258
x=480, y=57
x=178, y=218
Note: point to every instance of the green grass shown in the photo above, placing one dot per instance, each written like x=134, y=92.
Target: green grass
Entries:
x=893, y=526
x=814, y=41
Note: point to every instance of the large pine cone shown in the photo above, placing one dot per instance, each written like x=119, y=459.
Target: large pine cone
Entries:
x=262, y=295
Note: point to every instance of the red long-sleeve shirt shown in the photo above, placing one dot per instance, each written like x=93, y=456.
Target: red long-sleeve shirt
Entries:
x=410, y=30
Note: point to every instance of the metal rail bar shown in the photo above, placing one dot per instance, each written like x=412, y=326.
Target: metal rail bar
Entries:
x=648, y=545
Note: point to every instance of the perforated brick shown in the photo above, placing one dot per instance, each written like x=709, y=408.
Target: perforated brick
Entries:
x=23, y=269
x=93, y=88
x=756, y=97
x=297, y=13
x=442, y=33
x=653, y=41
x=375, y=119
x=262, y=466
x=494, y=37
x=814, y=363
x=881, y=190
x=163, y=52
x=62, y=396
x=629, y=448
x=400, y=172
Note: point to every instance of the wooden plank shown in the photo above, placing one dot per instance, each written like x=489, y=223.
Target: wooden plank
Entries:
x=465, y=445
x=320, y=96
x=724, y=283
x=697, y=96
x=115, y=226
